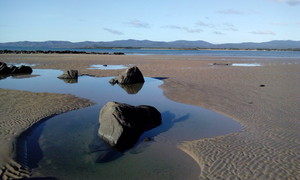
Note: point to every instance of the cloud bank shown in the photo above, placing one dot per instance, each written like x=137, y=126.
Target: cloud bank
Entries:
x=139, y=24
x=186, y=29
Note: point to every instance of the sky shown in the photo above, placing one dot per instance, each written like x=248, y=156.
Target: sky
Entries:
x=214, y=21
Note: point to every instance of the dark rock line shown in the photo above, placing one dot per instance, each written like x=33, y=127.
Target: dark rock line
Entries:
x=56, y=52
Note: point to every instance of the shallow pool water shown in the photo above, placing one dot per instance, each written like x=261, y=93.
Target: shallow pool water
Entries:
x=107, y=67
x=67, y=146
x=246, y=64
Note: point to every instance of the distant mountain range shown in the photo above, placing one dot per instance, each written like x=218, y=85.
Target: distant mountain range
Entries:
x=279, y=44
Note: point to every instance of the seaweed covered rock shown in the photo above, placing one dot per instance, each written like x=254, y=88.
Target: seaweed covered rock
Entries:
x=121, y=124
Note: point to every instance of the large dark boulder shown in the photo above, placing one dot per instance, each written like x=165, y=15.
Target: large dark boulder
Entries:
x=4, y=69
x=121, y=124
x=21, y=70
x=131, y=75
x=69, y=74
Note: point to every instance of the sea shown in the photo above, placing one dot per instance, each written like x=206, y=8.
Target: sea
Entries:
x=179, y=52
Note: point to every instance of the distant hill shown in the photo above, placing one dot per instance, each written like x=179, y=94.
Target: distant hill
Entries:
x=131, y=43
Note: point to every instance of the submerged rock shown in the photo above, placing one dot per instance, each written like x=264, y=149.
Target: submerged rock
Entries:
x=121, y=124
x=130, y=76
x=69, y=74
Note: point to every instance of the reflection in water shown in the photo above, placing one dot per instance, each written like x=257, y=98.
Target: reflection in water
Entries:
x=17, y=76
x=70, y=81
x=132, y=88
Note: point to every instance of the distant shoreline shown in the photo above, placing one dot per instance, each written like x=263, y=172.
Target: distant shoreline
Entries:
x=208, y=49
x=145, y=48
x=253, y=53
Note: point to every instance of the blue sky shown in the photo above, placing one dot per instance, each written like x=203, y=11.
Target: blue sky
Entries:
x=215, y=21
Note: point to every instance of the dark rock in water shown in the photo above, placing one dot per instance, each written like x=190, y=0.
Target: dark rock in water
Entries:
x=119, y=53
x=221, y=64
x=4, y=69
x=21, y=70
x=262, y=85
x=121, y=124
x=113, y=81
x=69, y=74
x=130, y=76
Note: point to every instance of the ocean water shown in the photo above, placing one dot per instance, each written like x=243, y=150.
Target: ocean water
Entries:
x=227, y=53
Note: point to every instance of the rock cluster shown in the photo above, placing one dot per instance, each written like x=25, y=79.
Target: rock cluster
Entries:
x=5, y=70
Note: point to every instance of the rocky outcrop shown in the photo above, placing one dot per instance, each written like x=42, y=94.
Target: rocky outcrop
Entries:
x=5, y=70
x=121, y=124
x=69, y=74
x=131, y=75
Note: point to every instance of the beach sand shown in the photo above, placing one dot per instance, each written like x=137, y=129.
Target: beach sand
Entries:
x=265, y=100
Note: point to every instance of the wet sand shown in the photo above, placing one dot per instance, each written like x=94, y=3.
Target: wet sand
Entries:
x=265, y=100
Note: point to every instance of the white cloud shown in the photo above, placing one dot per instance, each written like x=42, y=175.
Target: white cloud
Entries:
x=224, y=26
x=229, y=27
x=218, y=33
x=290, y=2
x=139, y=24
x=189, y=30
x=172, y=27
x=192, y=30
x=203, y=24
x=266, y=32
x=113, y=31
x=286, y=23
